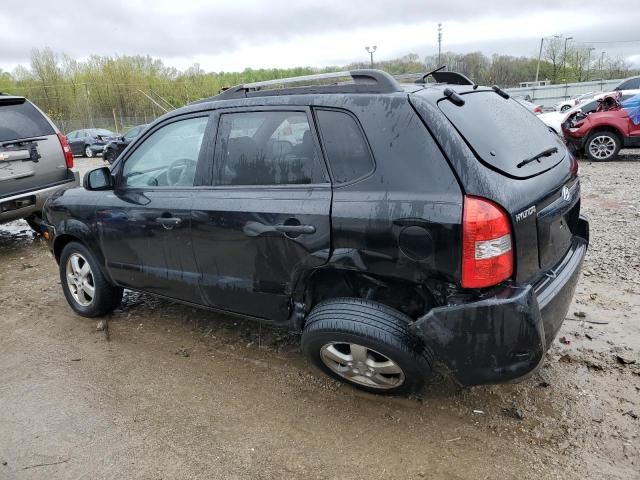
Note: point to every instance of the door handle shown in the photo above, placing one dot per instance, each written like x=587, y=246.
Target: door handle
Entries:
x=169, y=222
x=296, y=229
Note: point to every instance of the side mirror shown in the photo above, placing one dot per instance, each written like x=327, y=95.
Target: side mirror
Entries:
x=98, y=179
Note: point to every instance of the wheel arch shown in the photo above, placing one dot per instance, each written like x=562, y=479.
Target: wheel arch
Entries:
x=410, y=298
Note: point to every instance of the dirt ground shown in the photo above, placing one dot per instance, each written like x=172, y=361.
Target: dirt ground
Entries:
x=177, y=393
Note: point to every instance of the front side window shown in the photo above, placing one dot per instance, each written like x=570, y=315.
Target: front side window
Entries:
x=266, y=148
x=346, y=148
x=167, y=158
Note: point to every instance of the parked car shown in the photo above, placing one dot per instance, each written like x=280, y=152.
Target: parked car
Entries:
x=35, y=160
x=554, y=120
x=115, y=146
x=573, y=101
x=631, y=83
x=392, y=225
x=89, y=141
x=532, y=107
x=601, y=134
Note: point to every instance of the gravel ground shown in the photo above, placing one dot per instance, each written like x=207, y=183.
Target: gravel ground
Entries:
x=174, y=392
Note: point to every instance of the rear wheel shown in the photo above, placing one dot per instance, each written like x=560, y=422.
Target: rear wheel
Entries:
x=564, y=108
x=86, y=289
x=367, y=345
x=602, y=146
x=88, y=152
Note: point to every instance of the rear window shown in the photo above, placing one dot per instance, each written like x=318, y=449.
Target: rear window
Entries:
x=503, y=134
x=346, y=148
x=22, y=120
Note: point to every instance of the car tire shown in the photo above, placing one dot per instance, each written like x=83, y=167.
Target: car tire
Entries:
x=105, y=297
x=110, y=156
x=366, y=344
x=88, y=152
x=602, y=146
x=564, y=108
x=35, y=222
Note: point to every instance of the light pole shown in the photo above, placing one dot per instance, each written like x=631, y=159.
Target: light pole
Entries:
x=371, y=50
x=439, y=42
x=564, y=59
x=589, y=50
x=540, y=55
x=601, y=61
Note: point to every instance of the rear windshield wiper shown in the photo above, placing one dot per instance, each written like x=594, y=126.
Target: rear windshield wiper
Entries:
x=22, y=140
x=544, y=153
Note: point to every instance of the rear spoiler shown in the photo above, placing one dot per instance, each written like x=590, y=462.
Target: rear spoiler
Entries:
x=11, y=100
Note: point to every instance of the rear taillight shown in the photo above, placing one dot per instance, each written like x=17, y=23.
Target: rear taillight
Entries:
x=487, y=253
x=68, y=156
x=538, y=109
x=574, y=168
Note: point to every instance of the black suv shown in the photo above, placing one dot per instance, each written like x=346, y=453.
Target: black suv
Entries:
x=394, y=225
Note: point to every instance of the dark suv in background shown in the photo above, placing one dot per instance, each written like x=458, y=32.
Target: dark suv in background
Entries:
x=35, y=160
x=395, y=226
x=116, y=145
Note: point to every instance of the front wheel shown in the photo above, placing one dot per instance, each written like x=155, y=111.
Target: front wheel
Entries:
x=88, y=152
x=367, y=345
x=564, y=108
x=602, y=146
x=85, y=287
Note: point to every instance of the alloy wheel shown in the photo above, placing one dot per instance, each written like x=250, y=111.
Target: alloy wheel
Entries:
x=80, y=279
x=362, y=365
x=88, y=152
x=602, y=147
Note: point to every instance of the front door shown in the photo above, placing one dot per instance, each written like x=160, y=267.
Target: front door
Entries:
x=266, y=217
x=145, y=223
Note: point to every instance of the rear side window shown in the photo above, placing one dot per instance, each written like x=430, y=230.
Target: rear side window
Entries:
x=347, y=151
x=503, y=135
x=22, y=120
x=266, y=148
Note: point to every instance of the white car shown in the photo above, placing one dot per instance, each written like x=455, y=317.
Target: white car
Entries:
x=573, y=101
x=554, y=120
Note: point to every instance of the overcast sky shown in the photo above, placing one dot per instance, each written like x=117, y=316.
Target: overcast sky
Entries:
x=282, y=33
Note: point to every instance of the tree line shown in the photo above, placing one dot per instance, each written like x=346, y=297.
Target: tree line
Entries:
x=122, y=91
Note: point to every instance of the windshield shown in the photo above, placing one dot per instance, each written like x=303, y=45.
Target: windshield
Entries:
x=503, y=134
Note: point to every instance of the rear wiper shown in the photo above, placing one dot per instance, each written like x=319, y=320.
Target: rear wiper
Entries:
x=544, y=153
x=22, y=140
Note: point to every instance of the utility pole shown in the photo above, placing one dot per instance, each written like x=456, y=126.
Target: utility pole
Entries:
x=540, y=55
x=371, y=50
x=539, y=58
x=564, y=59
x=589, y=50
x=601, y=62
x=439, y=42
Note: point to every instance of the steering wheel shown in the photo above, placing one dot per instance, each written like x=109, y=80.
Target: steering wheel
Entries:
x=179, y=169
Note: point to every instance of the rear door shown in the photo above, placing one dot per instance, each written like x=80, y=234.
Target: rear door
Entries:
x=266, y=217
x=145, y=223
x=30, y=153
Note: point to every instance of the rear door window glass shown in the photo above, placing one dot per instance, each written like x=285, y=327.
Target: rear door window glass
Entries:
x=22, y=120
x=503, y=134
x=266, y=148
x=347, y=150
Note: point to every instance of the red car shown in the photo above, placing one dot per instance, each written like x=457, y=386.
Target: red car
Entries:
x=601, y=134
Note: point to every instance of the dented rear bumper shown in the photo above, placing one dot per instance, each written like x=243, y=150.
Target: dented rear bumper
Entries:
x=505, y=337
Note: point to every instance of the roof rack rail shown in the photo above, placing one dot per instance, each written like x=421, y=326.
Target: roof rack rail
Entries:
x=362, y=81
x=440, y=75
